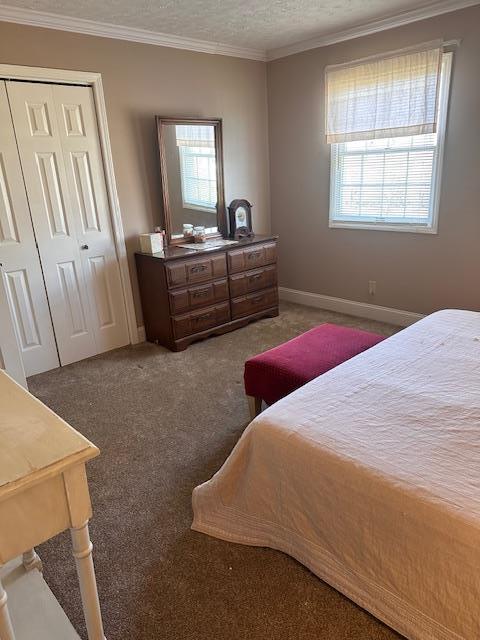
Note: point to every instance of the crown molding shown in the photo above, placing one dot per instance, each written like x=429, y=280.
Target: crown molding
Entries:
x=400, y=19
x=106, y=30
x=89, y=27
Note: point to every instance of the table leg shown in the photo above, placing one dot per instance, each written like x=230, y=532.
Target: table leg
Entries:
x=31, y=560
x=82, y=552
x=6, y=629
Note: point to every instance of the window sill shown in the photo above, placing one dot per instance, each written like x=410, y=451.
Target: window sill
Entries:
x=380, y=226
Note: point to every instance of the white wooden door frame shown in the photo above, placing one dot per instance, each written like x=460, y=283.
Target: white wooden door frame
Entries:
x=94, y=80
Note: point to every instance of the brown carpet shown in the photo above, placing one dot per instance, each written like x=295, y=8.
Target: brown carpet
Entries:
x=165, y=422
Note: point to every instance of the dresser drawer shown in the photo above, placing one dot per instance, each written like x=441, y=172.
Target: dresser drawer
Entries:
x=184, y=272
x=246, y=305
x=249, y=281
x=251, y=257
x=197, y=321
x=201, y=295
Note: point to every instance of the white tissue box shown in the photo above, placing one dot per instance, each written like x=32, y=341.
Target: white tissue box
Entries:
x=151, y=242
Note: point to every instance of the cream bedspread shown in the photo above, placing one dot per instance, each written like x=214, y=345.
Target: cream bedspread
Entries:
x=370, y=476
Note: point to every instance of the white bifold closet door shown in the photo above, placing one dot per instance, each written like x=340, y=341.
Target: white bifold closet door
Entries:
x=60, y=154
x=23, y=278
x=10, y=355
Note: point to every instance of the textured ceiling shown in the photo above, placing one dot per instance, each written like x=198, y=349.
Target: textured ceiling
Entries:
x=248, y=23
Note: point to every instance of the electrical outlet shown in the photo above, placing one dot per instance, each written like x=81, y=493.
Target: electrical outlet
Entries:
x=372, y=287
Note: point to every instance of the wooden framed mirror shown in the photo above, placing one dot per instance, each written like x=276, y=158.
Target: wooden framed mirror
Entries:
x=191, y=167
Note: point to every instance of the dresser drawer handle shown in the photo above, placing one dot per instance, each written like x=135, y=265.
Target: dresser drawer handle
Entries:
x=198, y=267
x=254, y=254
x=257, y=299
x=201, y=294
x=205, y=316
x=256, y=276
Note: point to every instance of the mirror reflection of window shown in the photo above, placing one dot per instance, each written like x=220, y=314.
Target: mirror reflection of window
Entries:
x=198, y=170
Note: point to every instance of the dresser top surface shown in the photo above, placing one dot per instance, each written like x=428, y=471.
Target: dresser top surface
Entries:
x=175, y=252
x=34, y=441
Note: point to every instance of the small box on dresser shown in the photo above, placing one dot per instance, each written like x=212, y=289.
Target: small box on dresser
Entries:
x=189, y=295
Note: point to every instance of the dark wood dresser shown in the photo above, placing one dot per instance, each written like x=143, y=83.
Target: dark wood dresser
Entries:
x=188, y=295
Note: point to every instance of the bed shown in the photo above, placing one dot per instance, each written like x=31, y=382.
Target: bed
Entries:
x=370, y=476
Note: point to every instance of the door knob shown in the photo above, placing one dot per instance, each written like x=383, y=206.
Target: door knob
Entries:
x=84, y=247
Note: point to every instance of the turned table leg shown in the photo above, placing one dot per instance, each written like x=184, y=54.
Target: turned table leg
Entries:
x=6, y=629
x=82, y=552
x=31, y=560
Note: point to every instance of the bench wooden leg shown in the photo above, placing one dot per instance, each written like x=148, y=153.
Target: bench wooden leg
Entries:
x=255, y=406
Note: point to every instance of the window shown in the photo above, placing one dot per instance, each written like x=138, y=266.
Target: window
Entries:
x=390, y=183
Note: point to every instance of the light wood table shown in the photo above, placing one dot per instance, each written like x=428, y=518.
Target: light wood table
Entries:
x=43, y=491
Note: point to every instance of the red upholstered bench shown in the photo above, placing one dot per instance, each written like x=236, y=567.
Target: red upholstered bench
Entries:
x=276, y=373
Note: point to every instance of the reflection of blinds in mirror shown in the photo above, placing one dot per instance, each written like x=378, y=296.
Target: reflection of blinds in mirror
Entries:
x=199, y=176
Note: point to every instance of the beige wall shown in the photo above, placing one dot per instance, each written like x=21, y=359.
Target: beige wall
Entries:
x=141, y=81
x=414, y=272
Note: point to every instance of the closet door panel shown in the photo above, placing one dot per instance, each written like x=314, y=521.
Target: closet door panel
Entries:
x=79, y=139
x=10, y=354
x=23, y=280
x=53, y=213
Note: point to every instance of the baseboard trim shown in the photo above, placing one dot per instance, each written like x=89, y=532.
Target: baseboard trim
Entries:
x=141, y=334
x=350, y=307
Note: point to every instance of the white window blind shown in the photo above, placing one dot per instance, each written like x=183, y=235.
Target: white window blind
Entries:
x=199, y=177
x=391, y=182
x=389, y=96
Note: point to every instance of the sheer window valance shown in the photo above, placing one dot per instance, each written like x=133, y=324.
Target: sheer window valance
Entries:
x=389, y=96
x=192, y=135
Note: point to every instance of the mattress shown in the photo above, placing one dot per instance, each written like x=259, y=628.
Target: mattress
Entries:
x=370, y=476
